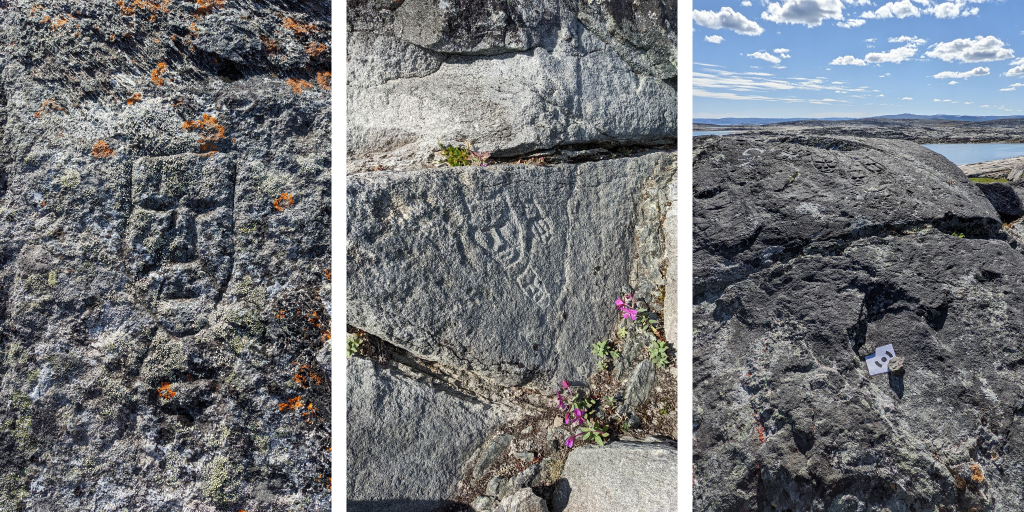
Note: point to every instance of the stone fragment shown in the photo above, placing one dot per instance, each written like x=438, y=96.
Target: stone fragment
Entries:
x=618, y=476
x=523, y=500
x=640, y=383
x=896, y=366
x=490, y=452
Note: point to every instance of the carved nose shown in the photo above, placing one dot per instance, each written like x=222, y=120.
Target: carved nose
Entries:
x=182, y=247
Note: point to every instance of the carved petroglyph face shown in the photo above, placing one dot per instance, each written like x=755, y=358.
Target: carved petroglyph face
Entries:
x=508, y=232
x=180, y=236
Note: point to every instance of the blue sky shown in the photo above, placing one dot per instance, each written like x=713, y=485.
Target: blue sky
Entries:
x=857, y=58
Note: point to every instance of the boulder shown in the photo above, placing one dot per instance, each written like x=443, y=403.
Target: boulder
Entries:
x=507, y=271
x=786, y=412
x=396, y=459
x=523, y=500
x=624, y=475
x=508, y=77
x=1004, y=199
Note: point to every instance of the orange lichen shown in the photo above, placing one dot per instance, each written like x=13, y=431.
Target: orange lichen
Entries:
x=211, y=131
x=323, y=79
x=101, y=150
x=315, y=49
x=283, y=201
x=206, y=6
x=161, y=68
x=976, y=474
x=134, y=99
x=297, y=85
x=298, y=28
x=293, y=404
x=129, y=9
x=165, y=391
x=271, y=45
x=328, y=274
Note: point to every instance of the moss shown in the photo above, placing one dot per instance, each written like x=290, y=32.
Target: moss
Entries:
x=68, y=180
x=262, y=443
x=51, y=280
x=989, y=180
x=221, y=482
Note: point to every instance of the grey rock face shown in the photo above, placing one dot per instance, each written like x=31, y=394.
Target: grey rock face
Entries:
x=144, y=270
x=511, y=77
x=785, y=411
x=523, y=500
x=1004, y=199
x=619, y=476
x=502, y=271
x=409, y=416
x=763, y=200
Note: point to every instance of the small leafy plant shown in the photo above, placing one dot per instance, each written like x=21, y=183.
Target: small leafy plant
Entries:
x=593, y=432
x=658, y=355
x=353, y=343
x=576, y=408
x=461, y=157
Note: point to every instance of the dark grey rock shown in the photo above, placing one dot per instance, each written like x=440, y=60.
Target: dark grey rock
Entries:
x=642, y=32
x=405, y=473
x=786, y=413
x=490, y=452
x=640, y=384
x=523, y=259
x=155, y=262
x=618, y=476
x=1004, y=199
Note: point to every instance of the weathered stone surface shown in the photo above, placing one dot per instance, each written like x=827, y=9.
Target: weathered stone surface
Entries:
x=762, y=200
x=523, y=500
x=1004, y=199
x=504, y=270
x=408, y=442
x=623, y=475
x=511, y=77
x=143, y=280
x=639, y=385
x=785, y=411
x=490, y=452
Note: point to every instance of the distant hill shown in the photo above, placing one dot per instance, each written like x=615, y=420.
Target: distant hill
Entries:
x=729, y=121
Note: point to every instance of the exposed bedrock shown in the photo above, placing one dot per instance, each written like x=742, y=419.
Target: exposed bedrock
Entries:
x=508, y=77
x=505, y=271
x=812, y=252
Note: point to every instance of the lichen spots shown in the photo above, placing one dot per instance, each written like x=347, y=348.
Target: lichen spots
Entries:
x=102, y=150
x=157, y=73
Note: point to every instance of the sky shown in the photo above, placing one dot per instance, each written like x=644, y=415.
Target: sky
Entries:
x=857, y=58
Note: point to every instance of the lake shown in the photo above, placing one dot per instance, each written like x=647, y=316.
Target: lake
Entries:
x=723, y=132
x=963, y=154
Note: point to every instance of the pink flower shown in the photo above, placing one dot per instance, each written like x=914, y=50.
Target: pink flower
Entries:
x=561, y=402
x=577, y=417
x=565, y=384
x=568, y=442
x=629, y=313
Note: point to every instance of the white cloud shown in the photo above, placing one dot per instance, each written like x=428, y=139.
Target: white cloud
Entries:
x=783, y=52
x=746, y=3
x=869, y=40
x=953, y=82
x=901, y=9
x=714, y=39
x=804, y=12
x=1016, y=85
x=896, y=55
x=980, y=49
x=765, y=56
x=954, y=9
x=906, y=39
x=852, y=23
x=968, y=103
x=847, y=60
x=907, y=99
x=881, y=95
x=1008, y=89
x=885, y=75
x=979, y=71
x=938, y=100
x=727, y=18
x=1018, y=68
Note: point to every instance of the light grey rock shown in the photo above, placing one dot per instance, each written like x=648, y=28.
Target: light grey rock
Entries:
x=642, y=32
x=511, y=77
x=523, y=500
x=785, y=410
x=415, y=468
x=507, y=271
x=618, y=476
x=495, y=485
x=484, y=503
x=640, y=384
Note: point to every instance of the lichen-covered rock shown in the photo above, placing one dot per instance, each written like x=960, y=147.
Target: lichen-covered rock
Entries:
x=510, y=77
x=163, y=319
x=786, y=414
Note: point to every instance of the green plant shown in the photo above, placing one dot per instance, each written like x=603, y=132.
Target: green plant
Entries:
x=658, y=355
x=958, y=235
x=593, y=432
x=601, y=349
x=353, y=342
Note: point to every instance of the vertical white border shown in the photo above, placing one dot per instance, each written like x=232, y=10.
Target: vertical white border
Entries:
x=684, y=345
x=339, y=50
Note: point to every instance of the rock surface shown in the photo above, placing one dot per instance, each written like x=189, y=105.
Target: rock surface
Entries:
x=901, y=249
x=503, y=271
x=511, y=77
x=620, y=476
x=154, y=356
x=407, y=415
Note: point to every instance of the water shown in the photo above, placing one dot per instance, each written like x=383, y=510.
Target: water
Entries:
x=963, y=154
x=725, y=132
